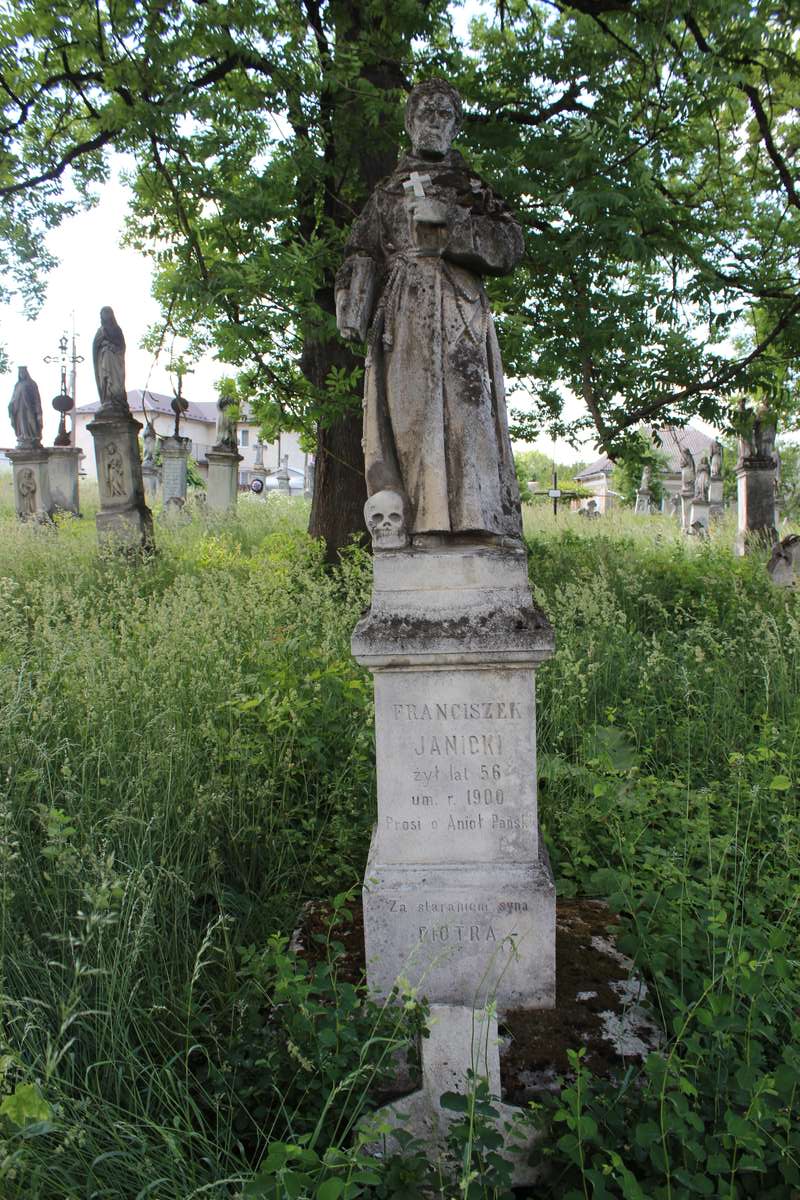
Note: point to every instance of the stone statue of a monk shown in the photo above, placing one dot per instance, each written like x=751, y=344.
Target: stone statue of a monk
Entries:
x=108, y=354
x=25, y=411
x=435, y=422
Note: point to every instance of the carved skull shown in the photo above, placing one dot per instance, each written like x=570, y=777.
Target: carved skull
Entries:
x=386, y=520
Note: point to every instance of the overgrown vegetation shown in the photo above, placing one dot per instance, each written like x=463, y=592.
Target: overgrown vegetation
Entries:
x=187, y=757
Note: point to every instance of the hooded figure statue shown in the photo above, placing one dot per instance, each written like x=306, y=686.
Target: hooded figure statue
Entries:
x=435, y=422
x=25, y=411
x=108, y=354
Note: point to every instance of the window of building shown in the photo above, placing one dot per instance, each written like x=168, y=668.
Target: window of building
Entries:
x=244, y=437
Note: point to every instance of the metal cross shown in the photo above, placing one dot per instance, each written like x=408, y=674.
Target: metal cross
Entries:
x=414, y=183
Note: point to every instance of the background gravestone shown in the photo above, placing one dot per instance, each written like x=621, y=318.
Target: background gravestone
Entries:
x=223, y=462
x=29, y=460
x=755, y=482
x=124, y=520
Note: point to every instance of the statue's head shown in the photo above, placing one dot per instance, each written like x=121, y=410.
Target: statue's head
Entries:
x=385, y=514
x=23, y=373
x=433, y=117
x=107, y=318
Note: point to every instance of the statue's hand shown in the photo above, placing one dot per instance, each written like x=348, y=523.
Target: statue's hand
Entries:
x=427, y=211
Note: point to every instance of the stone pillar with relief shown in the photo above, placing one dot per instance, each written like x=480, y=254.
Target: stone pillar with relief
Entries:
x=174, y=465
x=31, y=478
x=124, y=521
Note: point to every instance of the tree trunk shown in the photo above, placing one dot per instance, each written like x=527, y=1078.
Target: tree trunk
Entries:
x=340, y=490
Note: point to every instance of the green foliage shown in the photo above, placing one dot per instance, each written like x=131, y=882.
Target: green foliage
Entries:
x=638, y=453
x=188, y=757
x=651, y=153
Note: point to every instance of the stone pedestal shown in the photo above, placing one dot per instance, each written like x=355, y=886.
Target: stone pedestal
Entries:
x=755, y=483
x=458, y=894
x=151, y=478
x=284, y=480
x=31, y=483
x=63, y=473
x=644, y=504
x=223, y=479
x=698, y=518
x=174, y=462
x=716, y=506
x=686, y=507
x=124, y=519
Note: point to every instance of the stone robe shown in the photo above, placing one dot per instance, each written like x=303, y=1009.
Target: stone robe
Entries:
x=435, y=422
x=25, y=411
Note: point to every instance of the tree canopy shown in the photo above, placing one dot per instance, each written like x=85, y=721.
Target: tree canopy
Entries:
x=650, y=150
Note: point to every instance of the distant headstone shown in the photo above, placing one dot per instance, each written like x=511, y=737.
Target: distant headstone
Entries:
x=223, y=462
x=699, y=509
x=63, y=471
x=174, y=467
x=283, y=477
x=687, y=487
x=29, y=460
x=715, y=483
x=644, y=496
x=755, y=482
x=124, y=520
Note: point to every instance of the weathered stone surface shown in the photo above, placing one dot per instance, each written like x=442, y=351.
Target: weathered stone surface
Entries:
x=460, y=1039
x=223, y=480
x=151, y=477
x=755, y=482
x=31, y=483
x=435, y=423
x=457, y=897
x=698, y=517
x=124, y=520
x=783, y=567
x=175, y=459
x=63, y=474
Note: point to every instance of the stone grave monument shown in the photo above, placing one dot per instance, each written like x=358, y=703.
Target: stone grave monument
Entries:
x=124, y=519
x=175, y=460
x=29, y=460
x=699, y=509
x=687, y=487
x=64, y=464
x=715, y=484
x=151, y=475
x=458, y=894
x=644, y=496
x=756, y=485
x=223, y=462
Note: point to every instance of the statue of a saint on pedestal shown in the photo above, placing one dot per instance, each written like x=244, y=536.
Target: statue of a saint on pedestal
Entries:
x=108, y=353
x=687, y=471
x=25, y=411
x=701, y=479
x=435, y=422
x=226, y=425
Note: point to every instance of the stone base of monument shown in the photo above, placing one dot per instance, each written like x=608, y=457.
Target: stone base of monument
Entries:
x=462, y=1046
x=175, y=461
x=124, y=521
x=31, y=478
x=63, y=472
x=755, y=484
x=644, y=504
x=223, y=480
x=686, y=507
x=458, y=897
x=602, y=1007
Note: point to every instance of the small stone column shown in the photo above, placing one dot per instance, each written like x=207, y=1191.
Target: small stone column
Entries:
x=458, y=893
x=687, y=495
x=223, y=479
x=63, y=472
x=283, y=477
x=644, y=503
x=755, y=483
x=174, y=460
x=31, y=483
x=258, y=470
x=124, y=519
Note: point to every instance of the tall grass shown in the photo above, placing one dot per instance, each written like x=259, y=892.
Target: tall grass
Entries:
x=186, y=756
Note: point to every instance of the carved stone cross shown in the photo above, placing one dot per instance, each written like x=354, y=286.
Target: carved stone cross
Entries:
x=414, y=183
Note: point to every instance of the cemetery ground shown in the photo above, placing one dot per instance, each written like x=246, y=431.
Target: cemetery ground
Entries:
x=187, y=759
